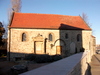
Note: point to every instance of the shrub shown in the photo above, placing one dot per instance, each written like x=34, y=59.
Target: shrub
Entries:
x=82, y=50
x=3, y=52
x=43, y=58
x=30, y=57
x=56, y=57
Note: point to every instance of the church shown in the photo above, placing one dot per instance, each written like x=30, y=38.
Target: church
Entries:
x=32, y=33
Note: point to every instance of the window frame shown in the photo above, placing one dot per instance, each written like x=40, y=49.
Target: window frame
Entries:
x=50, y=37
x=66, y=34
x=79, y=38
x=24, y=37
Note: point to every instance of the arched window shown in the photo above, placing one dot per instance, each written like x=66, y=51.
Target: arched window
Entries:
x=66, y=36
x=78, y=37
x=50, y=37
x=23, y=37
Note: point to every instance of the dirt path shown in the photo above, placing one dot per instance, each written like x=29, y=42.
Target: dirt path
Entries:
x=6, y=65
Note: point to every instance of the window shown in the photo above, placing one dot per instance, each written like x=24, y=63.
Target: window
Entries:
x=50, y=37
x=23, y=37
x=66, y=36
x=79, y=37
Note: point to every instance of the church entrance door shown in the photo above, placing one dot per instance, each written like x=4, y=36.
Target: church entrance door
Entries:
x=58, y=50
x=38, y=47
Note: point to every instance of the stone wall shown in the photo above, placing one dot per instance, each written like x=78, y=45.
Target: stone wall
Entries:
x=86, y=39
x=19, y=48
x=93, y=45
x=82, y=67
x=77, y=64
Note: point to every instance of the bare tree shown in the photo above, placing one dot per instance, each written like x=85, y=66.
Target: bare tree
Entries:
x=85, y=18
x=2, y=31
x=15, y=7
x=9, y=14
x=6, y=29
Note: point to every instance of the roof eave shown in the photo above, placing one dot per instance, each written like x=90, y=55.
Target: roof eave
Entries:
x=46, y=28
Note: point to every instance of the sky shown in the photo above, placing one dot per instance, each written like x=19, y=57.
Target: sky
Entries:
x=62, y=7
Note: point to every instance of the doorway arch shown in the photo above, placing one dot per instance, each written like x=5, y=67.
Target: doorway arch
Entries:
x=60, y=46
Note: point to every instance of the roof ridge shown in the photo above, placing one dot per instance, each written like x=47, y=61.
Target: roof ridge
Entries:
x=46, y=14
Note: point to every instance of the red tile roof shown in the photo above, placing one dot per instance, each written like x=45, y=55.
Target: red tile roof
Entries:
x=93, y=36
x=51, y=21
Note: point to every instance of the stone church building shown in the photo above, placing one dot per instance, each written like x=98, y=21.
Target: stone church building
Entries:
x=31, y=33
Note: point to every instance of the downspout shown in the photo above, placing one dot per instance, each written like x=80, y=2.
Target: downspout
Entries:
x=45, y=42
x=9, y=35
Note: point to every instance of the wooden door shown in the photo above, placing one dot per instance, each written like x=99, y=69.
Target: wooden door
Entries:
x=58, y=50
x=38, y=47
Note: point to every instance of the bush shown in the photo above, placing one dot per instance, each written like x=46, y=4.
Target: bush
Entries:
x=3, y=52
x=56, y=57
x=43, y=58
x=30, y=57
x=82, y=50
